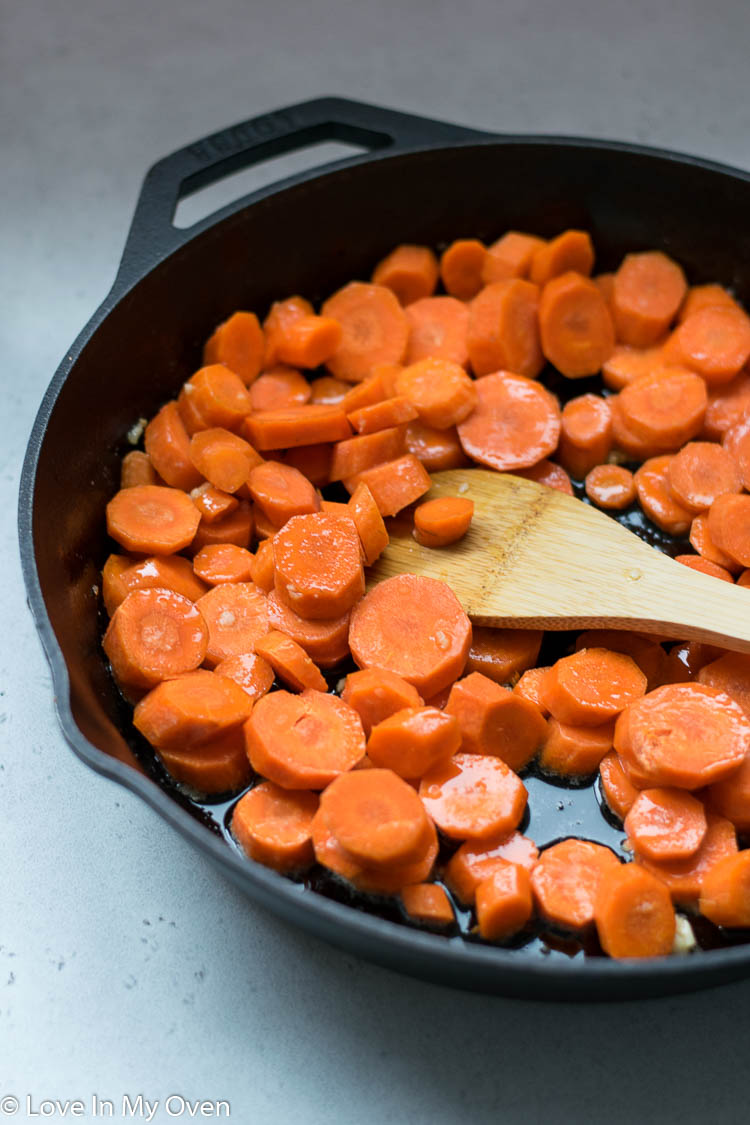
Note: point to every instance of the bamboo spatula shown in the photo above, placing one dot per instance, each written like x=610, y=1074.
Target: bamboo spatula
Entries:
x=536, y=558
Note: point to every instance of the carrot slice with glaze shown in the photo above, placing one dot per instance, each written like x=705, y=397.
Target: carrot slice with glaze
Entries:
x=436, y=449
x=299, y=425
x=441, y=391
x=411, y=272
x=357, y=454
x=656, y=498
x=273, y=826
x=152, y=520
x=703, y=566
x=168, y=447
x=648, y=654
x=137, y=468
x=475, y=860
x=382, y=415
x=214, y=767
x=715, y=342
x=369, y=523
x=648, y=291
x=504, y=902
x=191, y=709
x=376, y=817
x=281, y=492
x=223, y=562
x=619, y=791
x=634, y=914
x=155, y=634
x=222, y=457
x=585, y=434
x=212, y=503
x=219, y=396
x=566, y=880
x=376, y=693
x=576, y=328
x=375, y=330
x=665, y=408
x=428, y=904
x=530, y=687
x=253, y=674
x=236, y=527
x=413, y=740
x=574, y=751
x=684, y=878
x=571, y=250
x=729, y=526
x=121, y=575
x=700, y=472
x=473, y=795
x=610, y=486
x=510, y=256
x=438, y=523
x=279, y=388
x=318, y=565
x=290, y=662
x=666, y=824
x=438, y=328
x=236, y=614
x=592, y=686
x=504, y=329
x=461, y=267
x=239, y=344
x=516, y=423
x=495, y=721
x=326, y=642
x=725, y=893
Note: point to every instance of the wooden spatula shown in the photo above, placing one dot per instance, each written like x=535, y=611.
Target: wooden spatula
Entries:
x=536, y=558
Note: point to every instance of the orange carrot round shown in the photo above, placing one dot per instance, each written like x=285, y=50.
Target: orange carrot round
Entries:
x=222, y=457
x=473, y=795
x=516, y=423
x=441, y=391
x=237, y=616
x=495, y=721
x=428, y=904
x=376, y=817
x=438, y=523
x=571, y=250
x=566, y=880
x=701, y=541
x=715, y=342
x=610, y=486
x=666, y=824
x=152, y=520
x=368, y=522
x=684, y=878
x=318, y=566
x=223, y=562
x=278, y=388
x=501, y=654
x=576, y=328
x=219, y=396
x=272, y=826
x=504, y=902
x=700, y=472
x=728, y=526
x=411, y=272
x=475, y=860
x=619, y=791
x=574, y=751
x=436, y=449
x=510, y=256
x=648, y=290
x=121, y=575
x=666, y=409
x=168, y=448
x=238, y=343
x=725, y=893
x=585, y=434
x=634, y=914
x=290, y=662
x=504, y=329
x=438, y=328
x=191, y=709
x=413, y=740
x=592, y=686
x=550, y=475
x=461, y=268
x=626, y=364
x=376, y=693
x=656, y=497
x=375, y=330
x=253, y=674
x=136, y=467
x=155, y=634
x=281, y=492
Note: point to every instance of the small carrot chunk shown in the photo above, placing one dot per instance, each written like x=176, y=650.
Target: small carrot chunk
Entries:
x=413, y=740
x=307, y=341
x=571, y=250
x=318, y=565
x=592, y=686
x=326, y=642
x=436, y=449
x=369, y=392
x=725, y=893
x=152, y=520
x=411, y=272
x=440, y=391
x=610, y=486
x=728, y=526
x=279, y=388
x=273, y=826
x=516, y=423
x=222, y=457
x=303, y=741
x=648, y=291
x=250, y=671
x=619, y=792
x=461, y=266
x=236, y=614
x=438, y=328
x=576, y=328
x=736, y=442
x=428, y=904
x=438, y=523
x=473, y=795
x=566, y=880
x=715, y=342
x=501, y=654
x=290, y=662
x=684, y=877
x=393, y=484
x=214, y=767
x=504, y=902
x=212, y=503
x=376, y=817
x=634, y=914
x=223, y=562
x=376, y=693
x=510, y=256
x=298, y=425
x=357, y=454
x=666, y=824
x=239, y=344
x=495, y=721
x=375, y=330
x=191, y=709
x=369, y=523
x=504, y=329
x=155, y=634
x=168, y=448
x=475, y=860
x=281, y=492
x=413, y=626
x=530, y=687
x=574, y=751
x=585, y=434
x=656, y=498
x=705, y=297
x=137, y=468
x=700, y=472
x=121, y=575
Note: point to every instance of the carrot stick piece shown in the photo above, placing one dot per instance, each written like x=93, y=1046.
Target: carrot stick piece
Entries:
x=273, y=826
x=168, y=447
x=303, y=741
x=504, y=902
x=516, y=423
x=356, y=454
x=412, y=741
x=728, y=526
x=504, y=329
x=571, y=250
x=511, y=256
x=592, y=686
x=253, y=674
x=619, y=792
x=574, y=751
x=393, y=484
x=441, y=391
x=137, y=468
x=610, y=486
x=318, y=565
x=239, y=344
x=290, y=662
x=411, y=272
x=725, y=894
x=666, y=824
x=461, y=268
x=438, y=523
x=279, y=388
x=281, y=492
x=566, y=880
x=382, y=415
x=121, y=575
x=502, y=654
x=151, y=520
x=369, y=523
x=191, y=709
x=585, y=434
x=438, y=328
x=648, y=291
x=436, y=449
x=237, y=616
x=575, y=324
x=154, y=634
x=375, y=330
x=656, y=498
x=376, y=693
x=413, y=626
x=223, y=562
x=428, y=904
x=715, y=342
x=214, y=767
x=222, y=457
x=475, y=860
x=495, y=721
x=299, y=425
x=473, y=795
x=634, y=914
x=684, y=878
x=325, y=641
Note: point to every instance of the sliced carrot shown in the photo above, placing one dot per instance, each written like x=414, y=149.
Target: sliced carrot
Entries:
x=729, y=526
x=605, y=283
x=222, y=457
x=648, y=655
x=619, y=791
x=725, y=893
x=413, y=626
x=436, y=449
x=327, y=390
x=214, y=767
x=411, y=272
x=495, y=721
x=684, y=877
x=239, y=344
x=369, y=392
x=684, y=735
x=290, y=662
x=149, y=519
x=585, y=434
x=376, y=817
x=703, y=566
x=610, y=486
x=212, y=503
x=627, y=441
x=574, y=751
x=191, y=709
x=648, y=291
x=700, y=472
x=250, y=671
x=438, y=523
x=393, y=484
x=634, y=914
x=656, y=498
x=504, y=902
x=376, y=693
x=356, y=454
x=625, y=364
x=237, y=616
x=412, y=741
x=318, y=565
x=273, y=825
x=438, y=329
x=372, y=879
x=137, y=468
x=501, y=654
x=705, y=297
x=281, y=316
x=571, y=250
x=665, y=408
x=666, y=824
x=236, y=527
x=729, y=673
x=566, y=880
x=168, y=447
x=441, y=391
x=154, y=634
x=461, y=267
x=530, y=686
x=335, y=508
x=428, y=904
x=576, y=328
x=326, y=642
x=510, y=256
x=368, y=521
x=303, y=741
x=279, y=388
x=592, y=686
x=306, y=341
x=473, y=795
x=475, y=860
x=299, y=425
x=223, y=562
x=219, y=396
x=550, y=475
x=730, y=798
x=504, y=329
x=375, y=330
x=728, y=404
x=715, y=342
x=281, y=492
x=121, y=575
x=516, y=423
x=382, y=415
x=701, y=541
x=191, y=418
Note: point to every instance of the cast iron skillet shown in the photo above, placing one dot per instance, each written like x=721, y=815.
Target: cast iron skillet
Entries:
x=421, y=181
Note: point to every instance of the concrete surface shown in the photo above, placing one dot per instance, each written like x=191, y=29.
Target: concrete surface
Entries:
x=127, y=966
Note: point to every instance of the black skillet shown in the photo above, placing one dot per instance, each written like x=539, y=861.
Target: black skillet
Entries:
x=421, y=181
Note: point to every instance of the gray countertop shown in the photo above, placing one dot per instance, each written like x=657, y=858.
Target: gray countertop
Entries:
x=127, y=966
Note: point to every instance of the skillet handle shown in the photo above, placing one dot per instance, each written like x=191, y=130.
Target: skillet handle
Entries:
x=152, y=234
